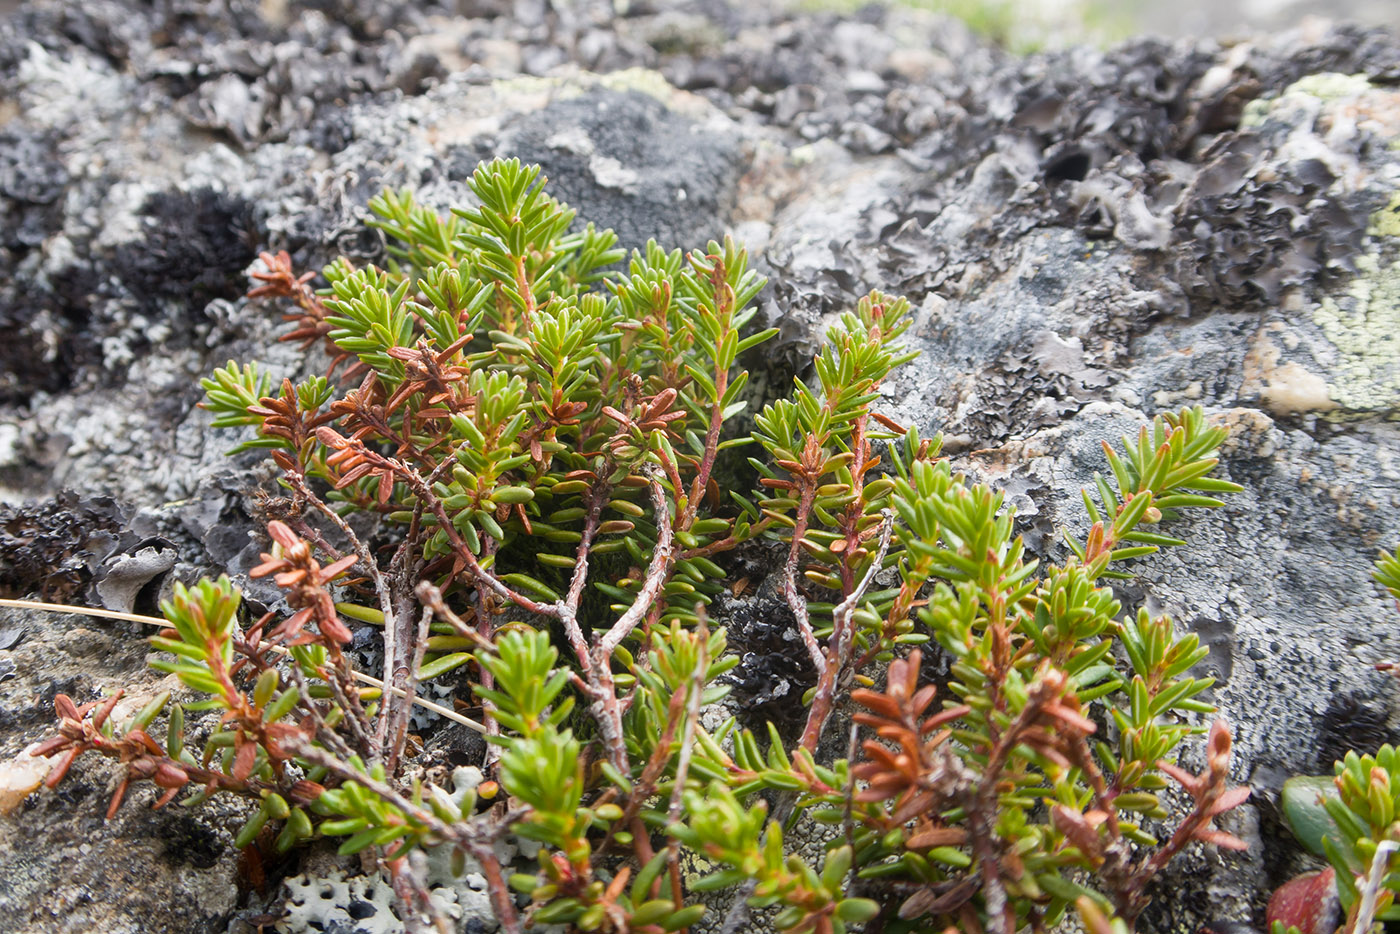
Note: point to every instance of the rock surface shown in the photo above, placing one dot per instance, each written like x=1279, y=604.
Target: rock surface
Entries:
x=1089, y=237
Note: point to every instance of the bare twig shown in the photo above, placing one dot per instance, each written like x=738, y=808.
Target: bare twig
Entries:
x=605, y=705
x=836, y=669
x=795, y=600
x=342, y=689
x=410, y=887
x=421, y=489
x=474, y=835
x=398, y=727
x=381, y=589
x=264, y=645
x=661, y=561
x=696, y=688
x=842, y=630
x=430, y=596
x=463, y=833
x=594, y=500
x=1371, y=889
x=737, y=917
x=324, y=733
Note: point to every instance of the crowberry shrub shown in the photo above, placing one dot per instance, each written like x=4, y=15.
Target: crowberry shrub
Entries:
x=549, y=452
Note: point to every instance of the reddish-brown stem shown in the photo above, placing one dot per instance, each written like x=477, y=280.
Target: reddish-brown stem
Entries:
x=724, y=311
x=527, y=292
x=645, y=785
x=843, y=622
x=861, y=449
x=820, y=711
x=1001, y=913
x=497, y=889
x=1131, y=901
x=707, y=460
x=1103, y=795
x=728, y=542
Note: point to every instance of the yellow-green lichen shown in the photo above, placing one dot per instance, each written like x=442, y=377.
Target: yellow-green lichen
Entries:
x=1386, y=221
x=1330, y=86
x=1327, y=86
x=1363, y=324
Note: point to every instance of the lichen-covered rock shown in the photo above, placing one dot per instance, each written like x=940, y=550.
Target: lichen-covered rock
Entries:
x=1088, y=237
x=335, y=902
x=63, y=868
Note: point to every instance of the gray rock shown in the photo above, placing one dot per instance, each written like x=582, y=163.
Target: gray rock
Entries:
x=62, y=867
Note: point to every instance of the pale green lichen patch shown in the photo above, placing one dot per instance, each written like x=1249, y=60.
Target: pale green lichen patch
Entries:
x=1330, y=86
x=1363, y=324
x=1326, y=87
x=1332, y=118
x=1386, y=221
